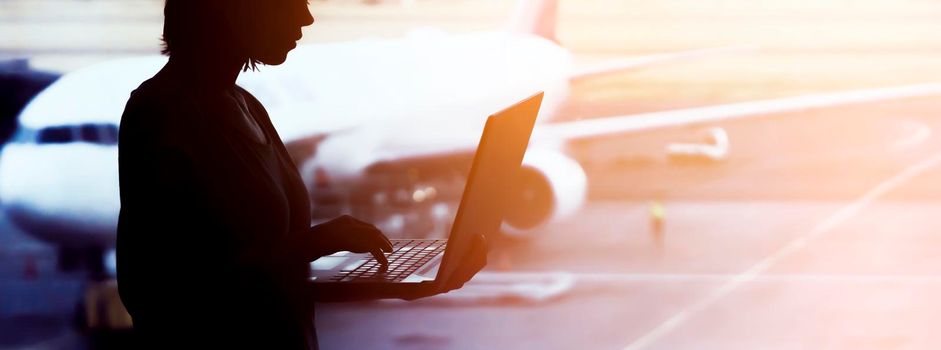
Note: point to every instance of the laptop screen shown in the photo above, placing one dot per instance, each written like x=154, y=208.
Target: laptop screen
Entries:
x=492, y=177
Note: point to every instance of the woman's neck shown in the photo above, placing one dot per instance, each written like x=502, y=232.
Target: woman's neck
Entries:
x=206, y=71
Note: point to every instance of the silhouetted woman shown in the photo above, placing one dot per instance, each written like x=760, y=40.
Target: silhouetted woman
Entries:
x=214, y=235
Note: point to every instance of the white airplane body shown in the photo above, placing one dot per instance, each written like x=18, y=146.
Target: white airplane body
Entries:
x=427, y=92
x=367, y=102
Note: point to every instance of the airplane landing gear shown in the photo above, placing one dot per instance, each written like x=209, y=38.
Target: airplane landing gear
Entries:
x=90, y=260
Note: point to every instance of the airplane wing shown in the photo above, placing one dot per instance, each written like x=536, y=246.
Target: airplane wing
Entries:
x=633, y=64
x=584, y=129
x=591, y=128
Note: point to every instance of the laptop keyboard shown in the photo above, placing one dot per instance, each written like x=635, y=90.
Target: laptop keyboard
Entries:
x=406, y=257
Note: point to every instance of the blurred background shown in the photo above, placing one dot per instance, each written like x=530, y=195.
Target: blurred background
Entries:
x=717, y=223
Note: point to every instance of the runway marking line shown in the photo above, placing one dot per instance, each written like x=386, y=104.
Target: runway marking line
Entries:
x=795, y=245
x=921, y=134
x=608, y=278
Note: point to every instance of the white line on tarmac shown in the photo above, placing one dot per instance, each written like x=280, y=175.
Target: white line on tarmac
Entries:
x=631, y=278
x=921, y=133
x=795, y=245
x=809, y=278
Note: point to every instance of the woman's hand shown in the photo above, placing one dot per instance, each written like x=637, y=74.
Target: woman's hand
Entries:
x=347, y=233
x=475, y=260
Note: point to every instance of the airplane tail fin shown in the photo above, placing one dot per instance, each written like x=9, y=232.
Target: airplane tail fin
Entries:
x=536, y=17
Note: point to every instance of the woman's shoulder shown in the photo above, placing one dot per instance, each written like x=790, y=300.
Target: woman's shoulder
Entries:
x=152, y=96
x=251, y=99
x=157, y=108
x=255, y=105
x=157, y=94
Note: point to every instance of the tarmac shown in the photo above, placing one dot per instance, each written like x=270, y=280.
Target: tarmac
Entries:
x=777, y=276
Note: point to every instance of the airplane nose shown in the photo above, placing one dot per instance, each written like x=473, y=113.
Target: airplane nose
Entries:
x=12, y=205
x=4, y=169
x=10, y=179
x=11, y=184
x=19, y=179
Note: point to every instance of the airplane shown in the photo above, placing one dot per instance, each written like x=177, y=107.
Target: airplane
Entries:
x=18, y=84
x=371, y=124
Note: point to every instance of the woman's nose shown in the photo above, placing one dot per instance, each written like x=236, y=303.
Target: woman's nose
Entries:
x=308, y=18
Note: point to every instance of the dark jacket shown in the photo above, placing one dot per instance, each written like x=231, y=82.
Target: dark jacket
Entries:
x=206, y=211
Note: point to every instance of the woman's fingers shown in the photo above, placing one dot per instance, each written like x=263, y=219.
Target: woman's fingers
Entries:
x=371, y=237
x=384, y=241
x=377, y=253
x=361, y=239
x=361, y=236
x=346, y=233
x=373, y=241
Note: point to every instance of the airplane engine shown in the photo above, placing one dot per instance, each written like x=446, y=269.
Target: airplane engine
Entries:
x=552, y=186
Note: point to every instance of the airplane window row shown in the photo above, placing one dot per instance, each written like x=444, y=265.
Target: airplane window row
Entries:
x=100, y=134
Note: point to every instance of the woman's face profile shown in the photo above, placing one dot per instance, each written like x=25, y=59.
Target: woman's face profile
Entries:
x=269, y=29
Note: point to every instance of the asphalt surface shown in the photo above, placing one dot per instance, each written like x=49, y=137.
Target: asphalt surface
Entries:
x=727, y=275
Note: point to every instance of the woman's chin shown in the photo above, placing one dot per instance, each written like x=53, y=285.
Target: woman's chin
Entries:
x=273, y=60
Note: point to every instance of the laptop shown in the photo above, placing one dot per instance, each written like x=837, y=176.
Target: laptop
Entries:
x=493, y=172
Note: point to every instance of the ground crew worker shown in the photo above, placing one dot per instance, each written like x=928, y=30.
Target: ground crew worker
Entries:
x=657, y=216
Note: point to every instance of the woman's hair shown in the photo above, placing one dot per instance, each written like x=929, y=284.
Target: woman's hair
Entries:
x=190, y=25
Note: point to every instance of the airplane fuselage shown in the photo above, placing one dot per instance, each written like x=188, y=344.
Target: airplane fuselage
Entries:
x=372, y=98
